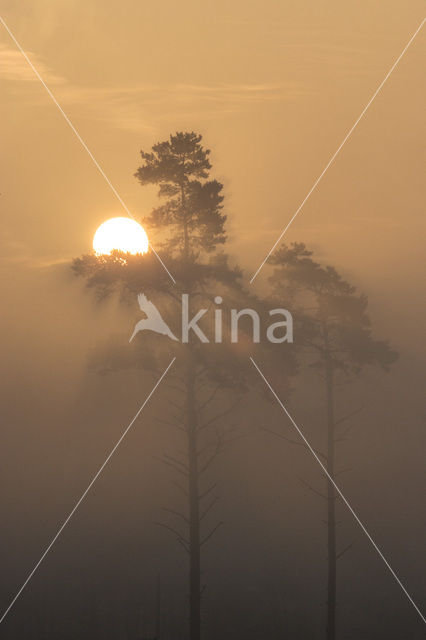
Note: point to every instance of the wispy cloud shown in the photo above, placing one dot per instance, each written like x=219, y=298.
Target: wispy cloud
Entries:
x=132, y=107
x=137, y=107
x=14, y=67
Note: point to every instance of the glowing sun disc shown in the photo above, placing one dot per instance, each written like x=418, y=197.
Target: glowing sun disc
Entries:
x=123, y=234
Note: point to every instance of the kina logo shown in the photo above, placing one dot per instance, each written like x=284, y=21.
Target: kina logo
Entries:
x=153, y=321
x=276, y=332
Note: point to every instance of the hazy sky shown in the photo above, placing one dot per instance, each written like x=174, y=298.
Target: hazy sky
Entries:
x=273, y=87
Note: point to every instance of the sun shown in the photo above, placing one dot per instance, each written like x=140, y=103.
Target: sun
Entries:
x=123, y=234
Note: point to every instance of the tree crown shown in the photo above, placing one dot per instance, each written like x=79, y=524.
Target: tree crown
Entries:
x=192, y=212
x=334, y=315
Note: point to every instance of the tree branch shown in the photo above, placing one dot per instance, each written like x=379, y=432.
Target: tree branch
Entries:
x=339, y=473
x=209, y=508
x=176, y=513
x=219, y=415
x=212, y=532
x=170, y=424
x=349, y=415
x=339, y=555
x=175, y=467
x=205, y=493
x=176, y=461
x=296, y=442
x=184, y=491
x=184, y=546
x=308, y=486
x=175, y=405
x=210, y=398
x=174, y=388
x=213, y=455
x=176, y=533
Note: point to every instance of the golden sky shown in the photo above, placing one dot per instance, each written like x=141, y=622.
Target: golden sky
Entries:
x=273, y=86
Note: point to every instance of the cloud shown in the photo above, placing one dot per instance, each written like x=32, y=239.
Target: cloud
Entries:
x=14, y=67
x=136, y=108
x=139, y=107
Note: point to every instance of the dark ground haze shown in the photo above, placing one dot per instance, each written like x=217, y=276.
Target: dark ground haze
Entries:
x=265, y=569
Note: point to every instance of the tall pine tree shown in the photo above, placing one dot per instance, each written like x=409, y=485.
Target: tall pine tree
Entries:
x=189, y=228
x=338, y=338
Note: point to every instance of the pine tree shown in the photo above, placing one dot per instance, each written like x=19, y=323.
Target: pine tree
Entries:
x=192, y=212
x=338, y=337
x=190, y=231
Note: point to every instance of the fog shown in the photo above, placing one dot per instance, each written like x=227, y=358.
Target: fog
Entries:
x=273, y=93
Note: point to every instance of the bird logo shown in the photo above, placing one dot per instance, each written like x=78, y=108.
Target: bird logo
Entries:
x=153, y=320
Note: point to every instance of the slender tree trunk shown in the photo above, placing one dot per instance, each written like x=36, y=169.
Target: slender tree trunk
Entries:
x=331, y=506
x=185, y=223
x=194, y=516
x=193, y=472
x=158, y=610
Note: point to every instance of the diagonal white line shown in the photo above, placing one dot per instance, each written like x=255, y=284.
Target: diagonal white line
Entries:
x=79, y=138
x=78, y=503
x=324, y=468
x=333, y=157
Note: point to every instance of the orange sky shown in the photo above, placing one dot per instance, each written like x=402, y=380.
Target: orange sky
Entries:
x=273, y=87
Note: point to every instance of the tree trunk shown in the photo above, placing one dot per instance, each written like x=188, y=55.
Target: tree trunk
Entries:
x=185, y=223
x=194, y=516
x=158, y=610
x=193, y=473
x=331, y=506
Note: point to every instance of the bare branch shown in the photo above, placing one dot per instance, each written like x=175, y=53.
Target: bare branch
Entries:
x=219, y=415
x=205, y=493
x=184, y=546
x=184, y=491
x=174, y=388
x=308, y=486
x=172, y=295
x=213, y=455
x=209, y=508
x=175, y=405
x=296, y=442
x=349, y=415
x=348, y=428
x=204, y=449
x=176, y=533
x=176, y=461
x=210, y=398
x=222, y=438
x=239, y=436
x=177, y=417
x=212, y=532
x=339, y=555
x=170, y=424
x=339, y=473
x=202, y=385
x=173, y=466
x=177, y=513
x=201, y=371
